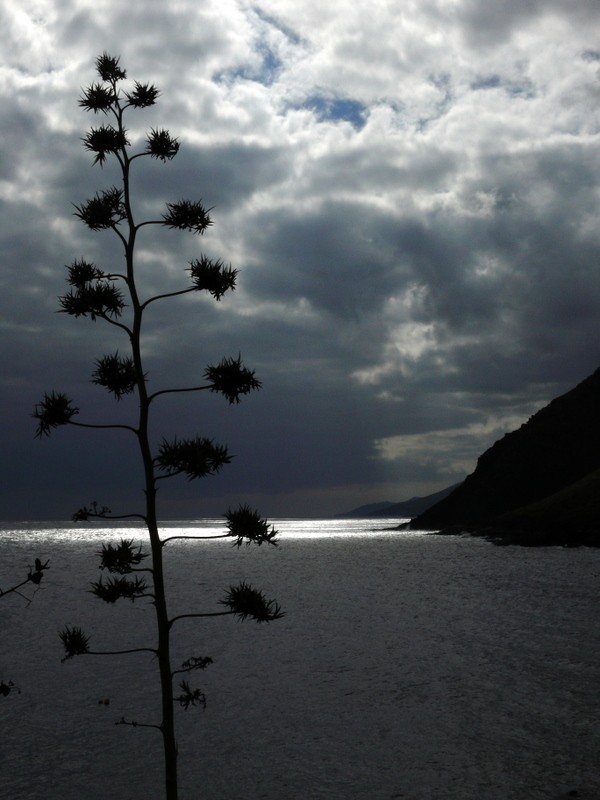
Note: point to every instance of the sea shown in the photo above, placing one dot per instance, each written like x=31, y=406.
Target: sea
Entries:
x=408, y=665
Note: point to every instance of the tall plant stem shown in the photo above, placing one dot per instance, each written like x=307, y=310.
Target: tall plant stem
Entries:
x=167, y=726
x=103, y=295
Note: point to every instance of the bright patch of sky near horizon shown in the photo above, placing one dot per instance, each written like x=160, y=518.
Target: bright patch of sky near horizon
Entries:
x=410, y=192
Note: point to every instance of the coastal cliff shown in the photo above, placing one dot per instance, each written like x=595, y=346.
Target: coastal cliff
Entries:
x=538, y=484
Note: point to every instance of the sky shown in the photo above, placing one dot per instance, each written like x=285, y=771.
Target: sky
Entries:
x=409, y=190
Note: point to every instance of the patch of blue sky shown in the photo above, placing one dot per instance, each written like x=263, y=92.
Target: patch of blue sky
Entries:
x=337, y=109
x=442, y=82
x=486, y=82
x=268, y=19
x=591, y=55
x=523, y=88
x=266, y=73
x=271, y=64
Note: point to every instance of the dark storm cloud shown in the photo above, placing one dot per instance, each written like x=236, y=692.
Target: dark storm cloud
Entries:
x=411, y=200
x=225, y=175
x=325, y=256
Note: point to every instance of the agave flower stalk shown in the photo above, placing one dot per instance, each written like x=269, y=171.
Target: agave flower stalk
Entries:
x=117, y=298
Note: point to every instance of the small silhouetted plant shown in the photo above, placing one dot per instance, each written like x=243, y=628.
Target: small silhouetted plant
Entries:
x=34, y=577
x=116, y=299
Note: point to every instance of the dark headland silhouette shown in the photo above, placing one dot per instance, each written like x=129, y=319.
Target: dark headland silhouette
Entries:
x=539, y=485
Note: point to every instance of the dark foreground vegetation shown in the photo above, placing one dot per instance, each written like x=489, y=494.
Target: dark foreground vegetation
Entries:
x=120, y=299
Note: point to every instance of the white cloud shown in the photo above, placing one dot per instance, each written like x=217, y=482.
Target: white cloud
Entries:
x=409, y=190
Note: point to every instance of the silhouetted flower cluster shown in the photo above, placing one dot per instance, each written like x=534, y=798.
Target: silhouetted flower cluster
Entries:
x=36, y=573
x=116, y=588
x=94, y=511
x=82, y=272
x=108, y=68
x=103, y=141
x=231, y=379
x=75, y=642
x=98, y=97
x=195, y=457
x=116, y=374
x=190, y=697
x=212, y=276
x=105, y=210
x=143, y=95
x=246, y=525
x=160, y=144
x=54, y=410
x=101, y=299
x=195, y=662
x=122, y=558
x=187, y=216
x=245, y=601
x=93, y=293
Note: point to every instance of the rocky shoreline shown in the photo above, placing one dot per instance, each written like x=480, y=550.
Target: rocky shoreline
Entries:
x=546, y=537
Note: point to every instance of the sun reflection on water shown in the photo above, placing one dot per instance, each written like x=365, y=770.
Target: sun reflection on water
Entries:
x=288, y=528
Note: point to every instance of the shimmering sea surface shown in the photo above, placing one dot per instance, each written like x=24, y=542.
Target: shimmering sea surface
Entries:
x=407, y=666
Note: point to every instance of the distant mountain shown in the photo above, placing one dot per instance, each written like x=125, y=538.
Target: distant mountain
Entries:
x=367, y=510
x=416, y=505
x=407, y=508
x=537, y=481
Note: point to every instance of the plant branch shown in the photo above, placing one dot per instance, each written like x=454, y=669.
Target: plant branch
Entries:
x=195, y=616
x=215, y=536
x=132, y=723
x=192, y=664
x=177, y=391
x=120, y=652
x=34, y=577
x=149, y=222
x=15, y=589
x=168, y=294
x=116, y=324
x=99, y=427
x=170, y=475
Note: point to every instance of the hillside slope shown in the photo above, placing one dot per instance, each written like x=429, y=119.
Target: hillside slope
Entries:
x=570, y=516
x=555, y=449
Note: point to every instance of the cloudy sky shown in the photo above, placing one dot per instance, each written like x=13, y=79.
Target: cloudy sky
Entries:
x=410, y=190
